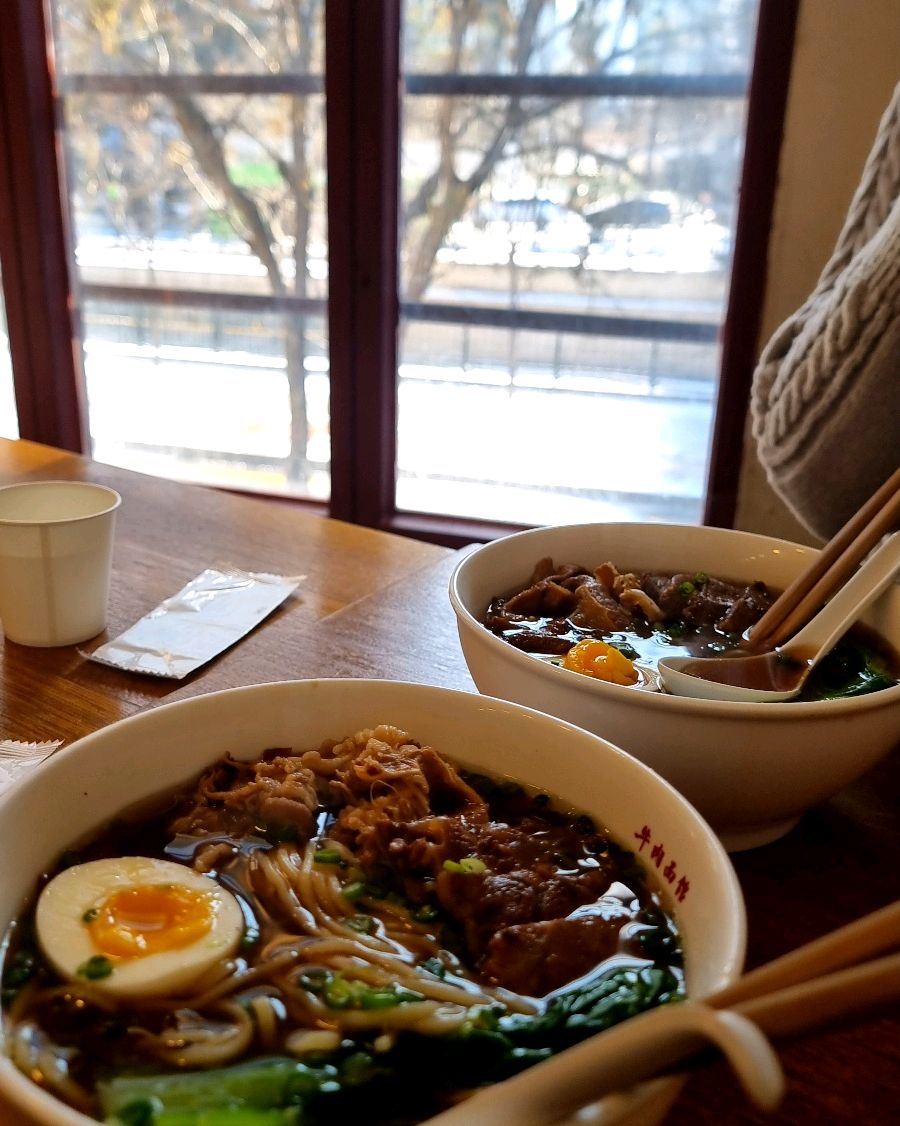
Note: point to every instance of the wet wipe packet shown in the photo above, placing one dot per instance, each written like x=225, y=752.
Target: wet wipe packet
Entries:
x=209, y=614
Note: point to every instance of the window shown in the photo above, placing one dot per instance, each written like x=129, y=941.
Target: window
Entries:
x=419, y=262
x=570, y=177
x=195, y=138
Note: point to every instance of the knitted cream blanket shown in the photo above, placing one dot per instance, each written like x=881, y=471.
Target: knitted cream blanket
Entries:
x=825, y=398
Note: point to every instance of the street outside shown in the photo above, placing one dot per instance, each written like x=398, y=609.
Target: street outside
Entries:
x=524, y=427
x=526, y=454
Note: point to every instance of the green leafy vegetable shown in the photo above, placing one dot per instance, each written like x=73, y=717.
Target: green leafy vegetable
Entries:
x=850, y=669
x=273, y=1083
x=18, y=972
x=143, y=1113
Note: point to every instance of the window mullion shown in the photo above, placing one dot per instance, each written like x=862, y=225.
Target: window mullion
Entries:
x=362, y=95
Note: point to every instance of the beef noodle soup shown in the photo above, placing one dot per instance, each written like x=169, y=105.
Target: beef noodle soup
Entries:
x=356, y=932
x=616, y=626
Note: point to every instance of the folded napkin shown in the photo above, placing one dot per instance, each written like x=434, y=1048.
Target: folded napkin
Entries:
x=17, y=759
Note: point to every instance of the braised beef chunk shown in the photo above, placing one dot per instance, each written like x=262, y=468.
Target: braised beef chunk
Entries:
x=275, y=794
x=545, y=597
x=535, y=958
x=420, y=848
x=669, y=592
x=485, y=904
x=720, y=604
x=597, y=608
x=747, y=609
x=545, y=641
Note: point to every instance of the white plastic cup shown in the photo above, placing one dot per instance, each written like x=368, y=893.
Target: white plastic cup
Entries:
x=56, y=541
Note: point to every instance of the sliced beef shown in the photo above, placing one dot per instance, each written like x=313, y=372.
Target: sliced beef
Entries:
x=404, y=805
x=236, y=799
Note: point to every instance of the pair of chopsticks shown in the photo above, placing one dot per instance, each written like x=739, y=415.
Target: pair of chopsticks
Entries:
x=837, y=559
x=839, y=975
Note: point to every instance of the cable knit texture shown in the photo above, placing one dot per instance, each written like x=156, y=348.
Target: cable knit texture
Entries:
x=825, y=399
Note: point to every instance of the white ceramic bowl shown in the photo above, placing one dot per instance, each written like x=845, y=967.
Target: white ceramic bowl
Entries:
x=92, y=780
x=751, y=769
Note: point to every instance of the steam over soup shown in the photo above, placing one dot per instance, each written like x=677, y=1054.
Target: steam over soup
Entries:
x=617, y=625
x=368, y=932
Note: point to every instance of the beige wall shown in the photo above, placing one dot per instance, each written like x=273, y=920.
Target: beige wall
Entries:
x=846, y=64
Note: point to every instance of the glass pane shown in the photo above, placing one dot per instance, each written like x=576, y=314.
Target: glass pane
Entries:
x=195, y=138
x=9, y=419
x=566, y=37
x=157, y=381
x=565, y=253
x=194, y=37
x=521, y=405
x=148, y=210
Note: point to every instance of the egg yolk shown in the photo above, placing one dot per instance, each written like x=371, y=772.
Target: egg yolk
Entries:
x=605, y=662
x=136, y=921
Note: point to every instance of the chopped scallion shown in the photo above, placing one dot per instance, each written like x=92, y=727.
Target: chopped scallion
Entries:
x=327, y=856
x=96, y=967
x=469, y=866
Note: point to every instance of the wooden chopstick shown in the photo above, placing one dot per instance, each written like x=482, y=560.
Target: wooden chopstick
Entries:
x=804, y=596
x=867, y=937
x=813, y=1003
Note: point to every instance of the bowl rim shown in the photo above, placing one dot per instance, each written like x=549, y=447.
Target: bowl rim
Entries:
x=47, y=1109
x=789, y=710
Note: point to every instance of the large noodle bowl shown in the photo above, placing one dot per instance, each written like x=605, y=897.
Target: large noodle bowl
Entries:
x=404, y=933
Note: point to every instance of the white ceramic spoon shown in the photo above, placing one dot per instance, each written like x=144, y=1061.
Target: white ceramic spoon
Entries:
x=779, y=675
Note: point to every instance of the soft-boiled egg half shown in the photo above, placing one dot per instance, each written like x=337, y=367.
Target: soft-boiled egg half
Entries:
x=135, y=926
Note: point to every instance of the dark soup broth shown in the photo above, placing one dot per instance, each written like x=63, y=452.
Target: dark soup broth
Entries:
x=564, y=610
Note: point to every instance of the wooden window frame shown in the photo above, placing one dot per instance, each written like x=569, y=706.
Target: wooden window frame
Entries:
x=33, y=237
x=363, y=92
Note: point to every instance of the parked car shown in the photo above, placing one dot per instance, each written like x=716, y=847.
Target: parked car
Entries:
x=638, y=212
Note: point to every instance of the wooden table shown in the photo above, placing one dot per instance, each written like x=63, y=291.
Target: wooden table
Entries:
x=166, y=533
x=374, y=605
